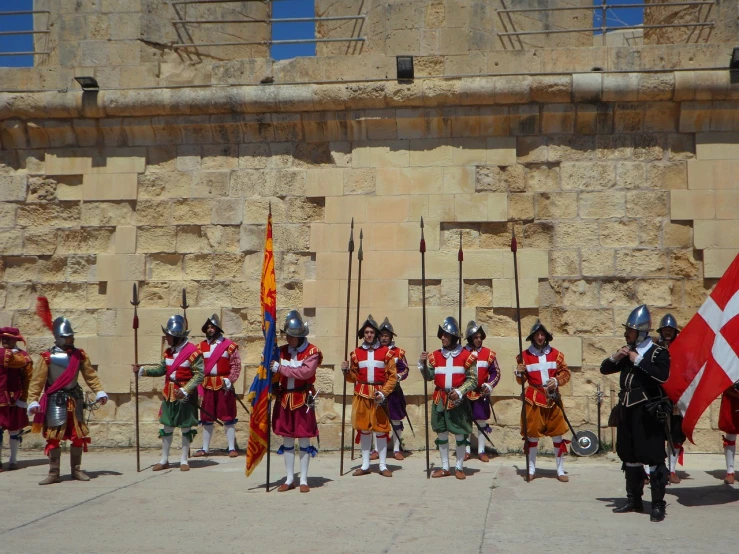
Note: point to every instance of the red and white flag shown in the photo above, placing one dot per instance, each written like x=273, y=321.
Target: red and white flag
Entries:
x=705, y=355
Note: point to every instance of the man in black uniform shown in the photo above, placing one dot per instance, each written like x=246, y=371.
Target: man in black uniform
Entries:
x=643, y=407
x=668, y=332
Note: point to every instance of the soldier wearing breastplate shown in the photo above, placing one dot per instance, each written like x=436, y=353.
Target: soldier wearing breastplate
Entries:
x=222, y=367
x=15, y=376
x=58, y=413
x=668, y=331
x=453, y=369
x=642, y=412
x=396, y=401
x=488, y=375
x=294, y=415
x=373, y=372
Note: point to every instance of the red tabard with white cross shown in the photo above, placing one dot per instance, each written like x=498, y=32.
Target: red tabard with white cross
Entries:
x=540, y=369
x=450, y=373
x=223, y=365
x=293, y=392
x=183, y=372
x=485, y=358
x=371, y=372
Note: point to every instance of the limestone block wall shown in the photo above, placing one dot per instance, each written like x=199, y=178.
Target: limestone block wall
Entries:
x=614, y=203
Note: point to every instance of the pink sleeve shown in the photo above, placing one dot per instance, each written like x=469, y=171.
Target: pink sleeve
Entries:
x=235, y=362
x=305, y=371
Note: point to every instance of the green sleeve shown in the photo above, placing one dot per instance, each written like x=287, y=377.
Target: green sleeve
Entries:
x=470, y=380
x=157, y=371
x=427, y=371
x=197, y=374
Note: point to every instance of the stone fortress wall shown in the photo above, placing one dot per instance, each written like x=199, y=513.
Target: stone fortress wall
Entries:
x=621, y=185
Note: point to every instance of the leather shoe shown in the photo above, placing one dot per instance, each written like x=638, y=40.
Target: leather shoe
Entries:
x=200, y=454
x=285, y=487
x=729, y=479
x=459, y=474
x=374, y=455
x=359, y=472
x=563, y=478
x=398, y=455
x=386, y=473
x=483, y=457
x=440, y=473
x=160, y=467
x=304, y=488
x=467, y=456
x=630, y=506
x=233, y=454
x=674, y=479
x=184, y=467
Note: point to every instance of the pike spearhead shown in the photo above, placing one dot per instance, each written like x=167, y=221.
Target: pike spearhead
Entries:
x=184, y=305
x=135, y=301
x=351, y=236
x=460, y=255
x=360, y=254
x=514, y=243
x=423, y=240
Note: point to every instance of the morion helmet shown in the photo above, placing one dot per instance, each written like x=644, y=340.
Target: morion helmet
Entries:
x=176, y=327
x=449, y=325
x=668, y=321
x=369, y=322
x=387, y=326
x=641, y=320
x=61, y=328
x=294, y=325
x=539, y=326
x=472, y=328
x=213, y=320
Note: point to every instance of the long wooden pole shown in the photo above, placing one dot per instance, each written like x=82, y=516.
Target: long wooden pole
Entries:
x=135, y=303
x=460, y=258
x=360, y=257
x=346, y=346
x=514, y=249
x=425, y=382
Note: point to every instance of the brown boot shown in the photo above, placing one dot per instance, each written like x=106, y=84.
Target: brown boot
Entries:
x=55, y=455
x=75, y=458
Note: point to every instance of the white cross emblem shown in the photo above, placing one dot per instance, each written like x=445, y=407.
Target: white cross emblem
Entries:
x=449, y=371
x=372, y=365
x=294, y=362
x=542, y=367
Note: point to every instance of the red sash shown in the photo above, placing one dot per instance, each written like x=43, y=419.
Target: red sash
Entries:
x=216, y=354
x=64, y=380
x=181, y=359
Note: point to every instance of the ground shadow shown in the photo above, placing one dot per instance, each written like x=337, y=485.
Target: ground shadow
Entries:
x=711, y=495
x=318, y=482
x=30, y=463
x=102, y=473
x=199, y=463
x=540, y=473
x=717, y=474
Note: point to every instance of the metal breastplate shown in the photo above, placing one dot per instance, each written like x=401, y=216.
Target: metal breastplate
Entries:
x=56, y=407
x=59, y=360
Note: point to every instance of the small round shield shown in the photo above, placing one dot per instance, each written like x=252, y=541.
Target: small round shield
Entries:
x=584, y=443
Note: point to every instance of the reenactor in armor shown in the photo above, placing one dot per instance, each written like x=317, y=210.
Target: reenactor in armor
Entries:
x=222, y=367
x=372, y=370
x=544, y=369
x=16, y=368
x=488, y=375
x=182, y=368
x=396, y=400
x=294, y=415
x=668, y=332
x=641, y=413
x=453, y=369
x=59, y=411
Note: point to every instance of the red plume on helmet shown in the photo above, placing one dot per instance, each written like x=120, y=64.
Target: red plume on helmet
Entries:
x=44, y=311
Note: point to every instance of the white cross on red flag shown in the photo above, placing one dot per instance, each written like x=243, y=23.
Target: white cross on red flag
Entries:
x=705, y=355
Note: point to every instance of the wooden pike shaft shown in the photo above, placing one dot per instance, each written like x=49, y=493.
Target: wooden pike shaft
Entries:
x=346, y=347
x=425, y=382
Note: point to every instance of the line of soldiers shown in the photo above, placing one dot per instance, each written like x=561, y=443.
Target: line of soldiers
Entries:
x=464, y=377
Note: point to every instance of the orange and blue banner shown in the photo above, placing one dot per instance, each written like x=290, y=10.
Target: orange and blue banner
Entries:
x=260, y=387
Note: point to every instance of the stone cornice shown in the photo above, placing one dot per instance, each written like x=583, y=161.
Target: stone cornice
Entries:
x=585, y=88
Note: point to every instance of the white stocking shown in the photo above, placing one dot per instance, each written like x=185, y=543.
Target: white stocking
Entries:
x=646, y=470
x=288, y=452
x=459, y=451
x=533, y=450
x=304, y=460
x=480, y=437
x=730, y=452
x=14, y=444
x=231, y=436
x=166, y=444
x=365, y=443
x=674, y=454
x=444, y=450
x=207, y=434
x=396, y=423
x=381, y=442
x=185, y=447
x=559, y=458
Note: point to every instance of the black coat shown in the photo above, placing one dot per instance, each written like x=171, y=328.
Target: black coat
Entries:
x=641, y=382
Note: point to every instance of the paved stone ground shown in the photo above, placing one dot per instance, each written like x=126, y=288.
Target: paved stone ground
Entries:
x=214, y=508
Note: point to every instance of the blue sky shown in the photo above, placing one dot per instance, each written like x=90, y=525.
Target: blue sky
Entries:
x=280, y=31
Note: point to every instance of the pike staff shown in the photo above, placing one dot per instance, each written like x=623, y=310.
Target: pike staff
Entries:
x=514, y=249
x=460, y=258
x=422, y=249
x=346, y=345
x=135, y=303
x=360, y=258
